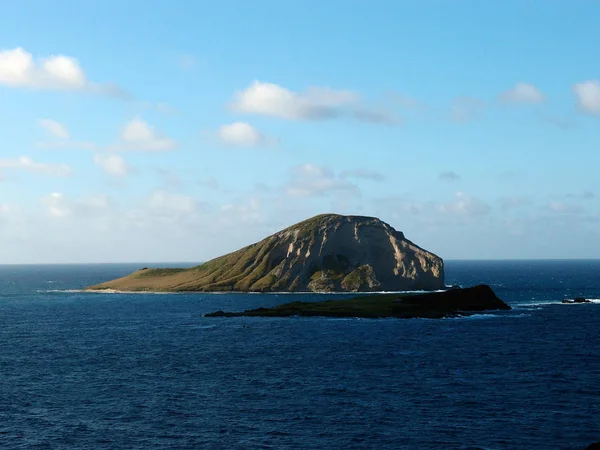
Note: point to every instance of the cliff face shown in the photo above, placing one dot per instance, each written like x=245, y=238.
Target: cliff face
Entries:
x=325, y=253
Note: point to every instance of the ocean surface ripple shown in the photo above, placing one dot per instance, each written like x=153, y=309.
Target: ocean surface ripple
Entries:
x=81, y=370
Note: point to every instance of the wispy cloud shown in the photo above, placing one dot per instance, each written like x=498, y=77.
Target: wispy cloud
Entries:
x=523, y=93
x=139, y=135
x=588, y=96
x=54, y=128
x=449, y=176
x=466, y=109
x=136, y=135
x=112, y=164
x=25, y=163
x=464, y=205
x=310, y=180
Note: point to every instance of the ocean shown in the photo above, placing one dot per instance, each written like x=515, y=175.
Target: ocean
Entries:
x=122, y=371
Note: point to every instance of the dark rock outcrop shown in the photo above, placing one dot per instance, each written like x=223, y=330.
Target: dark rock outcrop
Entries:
x=576, y=300
x=454, y=302
x=326, y=253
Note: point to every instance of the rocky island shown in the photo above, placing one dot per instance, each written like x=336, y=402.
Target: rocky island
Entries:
x=327, y=253
x=434, y=305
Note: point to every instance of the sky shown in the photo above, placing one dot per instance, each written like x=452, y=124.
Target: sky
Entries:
x=148, y=131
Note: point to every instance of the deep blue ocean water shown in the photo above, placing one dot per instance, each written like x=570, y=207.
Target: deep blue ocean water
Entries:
x=92, y=371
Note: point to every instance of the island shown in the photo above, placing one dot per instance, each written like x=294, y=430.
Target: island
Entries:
x=326, y=253
x=432, y=305
x=576, y=300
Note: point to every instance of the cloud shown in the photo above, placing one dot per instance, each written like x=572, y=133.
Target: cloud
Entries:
x=54, y=128
x=68, y=145
x=588, y=96
x=168, y=207
x=364, y=174
x=248, y=212
x=112, y=164
x=316, y=103
x=29, y=165
x=273, y=100
x=138, y=135
x=449, y=176
x=523, y=93
x=564, y=208
x=241, y=134
x=56, y=204
x=19, y=69
x=375, y=116
x=559, y=122
x=309, y=180
x=466, y=109
x=464, y=205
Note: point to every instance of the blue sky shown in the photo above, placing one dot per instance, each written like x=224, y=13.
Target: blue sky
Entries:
x=178, y=131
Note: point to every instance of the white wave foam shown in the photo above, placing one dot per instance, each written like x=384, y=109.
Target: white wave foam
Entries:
x=556, y=302
x=106, y=291
x=488, y=316
x=540, y=303
x=476, y=317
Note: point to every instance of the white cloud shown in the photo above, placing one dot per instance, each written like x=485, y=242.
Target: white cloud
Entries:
x=588, y=96
x=67, y=145
x=309, y=180
x=449, y=176
x=523, y=93
x=56, y=129
x=138, y=135
x=466, y=109
x=273, y=100
x=241, y=134
x=316, y=103
x=28, y=164
x=112, y=164
x=364, y=174
x=57, y=205
x=18, y=68
x=464, y=205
